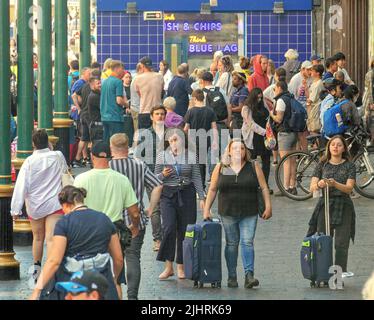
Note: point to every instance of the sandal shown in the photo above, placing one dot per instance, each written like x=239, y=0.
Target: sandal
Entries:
x=165, y=275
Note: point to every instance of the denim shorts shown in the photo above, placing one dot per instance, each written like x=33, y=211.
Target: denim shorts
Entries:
x=287, y=141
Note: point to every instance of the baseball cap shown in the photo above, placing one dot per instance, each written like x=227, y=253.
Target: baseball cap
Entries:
x=331, y=83
x=306, y=65
x=101, y=150
x=207, y=76
x=85, y=281
x=316, y=57
x=146, y=61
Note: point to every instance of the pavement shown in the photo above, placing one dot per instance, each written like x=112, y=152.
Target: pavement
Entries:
x=277, y=266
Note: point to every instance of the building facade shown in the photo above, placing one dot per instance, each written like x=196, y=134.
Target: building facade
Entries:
x=181, y=31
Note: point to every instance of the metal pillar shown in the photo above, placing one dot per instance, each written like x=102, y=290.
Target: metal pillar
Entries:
x=61, y=121
x=25, y=118
x=85, y=34
x=45, y=101
x=9, y=266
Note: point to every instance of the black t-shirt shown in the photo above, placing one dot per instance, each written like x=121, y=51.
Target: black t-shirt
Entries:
x=93, y=104
x=84, y=92
x=88, y=232
x=200, y=118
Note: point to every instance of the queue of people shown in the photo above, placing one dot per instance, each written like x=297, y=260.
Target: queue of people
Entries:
x=105, y=218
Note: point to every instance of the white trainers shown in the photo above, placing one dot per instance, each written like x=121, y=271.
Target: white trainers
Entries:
x=348, y=275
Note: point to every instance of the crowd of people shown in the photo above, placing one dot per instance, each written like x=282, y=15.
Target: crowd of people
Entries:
x=182, y=138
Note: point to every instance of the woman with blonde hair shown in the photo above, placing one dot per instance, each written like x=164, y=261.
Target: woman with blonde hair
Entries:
x=214, y=65
x=197, y=75
x=237, y=181
x=292, y=64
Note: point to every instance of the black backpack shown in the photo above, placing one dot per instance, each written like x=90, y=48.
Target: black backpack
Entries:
x=216, y=101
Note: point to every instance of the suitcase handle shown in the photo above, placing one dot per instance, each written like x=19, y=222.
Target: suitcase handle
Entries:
x=212, y=220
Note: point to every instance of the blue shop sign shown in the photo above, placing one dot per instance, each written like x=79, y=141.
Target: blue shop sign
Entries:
x=195, y=5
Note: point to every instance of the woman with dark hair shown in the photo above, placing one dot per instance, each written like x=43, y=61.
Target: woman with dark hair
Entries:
x=225, y=69
x=83, y=239
x=166, y=73
x=338, y=173
x=255, y=116
x=179, y=170
x=351, y=116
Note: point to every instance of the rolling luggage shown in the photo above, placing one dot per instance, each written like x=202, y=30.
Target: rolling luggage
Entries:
x=316, y=253
x=202, y=248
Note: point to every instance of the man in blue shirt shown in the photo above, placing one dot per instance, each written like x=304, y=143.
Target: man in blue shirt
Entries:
x=180, y=89
x=112, y=102
x=331, y=68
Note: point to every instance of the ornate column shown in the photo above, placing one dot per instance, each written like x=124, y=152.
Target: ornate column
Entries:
x=85, y=34
x=25, y=118
x=61, y=120
x=45, y=101
x=9, y=266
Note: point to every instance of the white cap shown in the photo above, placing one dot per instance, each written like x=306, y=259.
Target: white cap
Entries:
x=306, y=65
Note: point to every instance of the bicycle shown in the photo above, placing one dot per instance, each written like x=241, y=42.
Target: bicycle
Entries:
x=306, y=163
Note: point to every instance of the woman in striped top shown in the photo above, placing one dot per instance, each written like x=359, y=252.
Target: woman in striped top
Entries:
x=179, y=170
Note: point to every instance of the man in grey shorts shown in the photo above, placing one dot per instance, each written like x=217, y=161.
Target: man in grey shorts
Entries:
x=287, y=140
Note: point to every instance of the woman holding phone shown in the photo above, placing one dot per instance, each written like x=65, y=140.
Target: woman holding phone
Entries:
x=179, y=170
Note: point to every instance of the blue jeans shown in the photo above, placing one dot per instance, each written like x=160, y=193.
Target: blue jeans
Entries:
x=111, y=128
x=239, y=230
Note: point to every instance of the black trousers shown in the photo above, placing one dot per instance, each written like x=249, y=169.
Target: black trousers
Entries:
x=178, y=209
x=265, y=159
x=342, y=235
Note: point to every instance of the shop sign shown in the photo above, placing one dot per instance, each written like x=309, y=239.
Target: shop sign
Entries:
x=200, y=26
x=208, y=48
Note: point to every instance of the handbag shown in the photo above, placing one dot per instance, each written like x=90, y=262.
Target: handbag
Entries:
x=270, y=140
x=260, y=197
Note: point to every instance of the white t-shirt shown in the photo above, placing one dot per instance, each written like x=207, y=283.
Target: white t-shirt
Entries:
x=281, y=106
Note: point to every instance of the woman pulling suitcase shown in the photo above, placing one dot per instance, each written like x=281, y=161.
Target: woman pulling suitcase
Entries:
x=338, y=173
x=237, y=180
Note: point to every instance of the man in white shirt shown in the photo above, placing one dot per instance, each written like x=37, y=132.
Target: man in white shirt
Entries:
x=341, y=60
x=38, y=185
x=300, y=83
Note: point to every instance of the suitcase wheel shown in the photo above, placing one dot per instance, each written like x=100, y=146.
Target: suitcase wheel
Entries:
x=219, y=284
x=213, y=284
x=312, y=284
x=196, y=284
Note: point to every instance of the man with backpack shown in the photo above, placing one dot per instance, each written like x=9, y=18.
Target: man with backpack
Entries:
x=216, y=99
x=290, y=119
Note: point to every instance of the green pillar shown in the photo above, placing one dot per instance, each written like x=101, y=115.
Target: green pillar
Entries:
x=25, y=86
x=9, y=266
x=25, y=108
x=85, y=34
x=45, y=101
x=61, y=121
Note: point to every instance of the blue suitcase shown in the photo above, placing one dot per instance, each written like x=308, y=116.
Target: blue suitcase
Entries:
x=202, y=247
x=316, y=253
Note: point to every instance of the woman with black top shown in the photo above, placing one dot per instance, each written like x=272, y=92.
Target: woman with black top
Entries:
x=237, y=180
x=179, y=170
x=255, y=116
x=83, y=239
x=339, y=173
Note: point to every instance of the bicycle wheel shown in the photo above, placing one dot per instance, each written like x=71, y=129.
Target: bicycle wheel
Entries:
x=364, y=178
x=305, y=166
